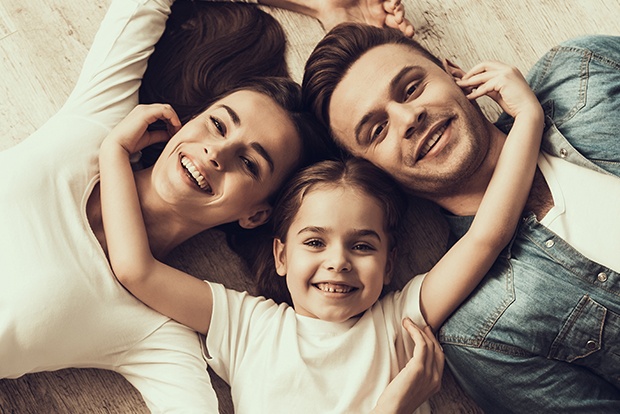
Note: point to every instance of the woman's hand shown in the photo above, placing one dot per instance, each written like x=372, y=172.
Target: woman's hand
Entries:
x=419, y=379
x=132, y=133
x=380, y=13
x=330, y=13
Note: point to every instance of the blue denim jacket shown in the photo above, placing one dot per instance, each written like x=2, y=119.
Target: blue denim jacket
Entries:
x=542, y=331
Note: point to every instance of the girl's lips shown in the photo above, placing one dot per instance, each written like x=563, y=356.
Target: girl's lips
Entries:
x=329, y=287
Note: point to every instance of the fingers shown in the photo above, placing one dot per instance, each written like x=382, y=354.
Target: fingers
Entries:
x=395, y=17
x=427, y=352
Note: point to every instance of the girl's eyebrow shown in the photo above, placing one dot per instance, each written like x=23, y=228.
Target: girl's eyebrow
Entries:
x=354, y=232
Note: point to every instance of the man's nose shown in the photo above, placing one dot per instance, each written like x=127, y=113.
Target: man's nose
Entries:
x=406, y=118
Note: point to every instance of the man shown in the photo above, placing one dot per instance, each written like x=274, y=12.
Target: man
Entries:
x=541, y=331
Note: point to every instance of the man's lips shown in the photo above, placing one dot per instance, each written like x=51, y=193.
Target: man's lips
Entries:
x=432, y=138
x=331, y=287
x=196, y=176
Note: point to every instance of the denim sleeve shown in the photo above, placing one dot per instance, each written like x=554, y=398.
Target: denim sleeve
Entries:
x=578, y=85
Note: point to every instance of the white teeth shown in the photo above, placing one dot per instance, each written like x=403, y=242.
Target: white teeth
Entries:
x=191, y=168
x=432, y=141
x=331, y=288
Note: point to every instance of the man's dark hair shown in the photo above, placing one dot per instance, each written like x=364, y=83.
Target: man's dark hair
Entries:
x=337, y=52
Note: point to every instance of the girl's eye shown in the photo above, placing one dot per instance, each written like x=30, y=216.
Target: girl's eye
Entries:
x=218, y=125
x=250, y=166
x=316, y=243
x=378, y=131
x=363, y=247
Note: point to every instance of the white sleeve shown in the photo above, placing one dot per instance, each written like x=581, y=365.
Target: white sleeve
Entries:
x=107, y=88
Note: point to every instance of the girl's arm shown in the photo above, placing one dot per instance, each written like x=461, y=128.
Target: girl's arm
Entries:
x=460, y=270
x=165, y=289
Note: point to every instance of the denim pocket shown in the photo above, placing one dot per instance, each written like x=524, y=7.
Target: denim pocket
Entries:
x=589, y=338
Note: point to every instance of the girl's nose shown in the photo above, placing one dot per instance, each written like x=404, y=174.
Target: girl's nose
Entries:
x=338, y=262
x=216, y=155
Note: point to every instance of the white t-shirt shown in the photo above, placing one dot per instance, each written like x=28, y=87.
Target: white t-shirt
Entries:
x=584, y=200
x=277, y=361
x=60, y=304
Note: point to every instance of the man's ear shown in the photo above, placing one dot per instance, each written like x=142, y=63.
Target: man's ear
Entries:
x=389, y=266
x=453, y=69
x=258, y=217
x=279, y=256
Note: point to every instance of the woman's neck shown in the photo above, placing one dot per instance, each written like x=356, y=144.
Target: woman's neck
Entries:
x=165, y=230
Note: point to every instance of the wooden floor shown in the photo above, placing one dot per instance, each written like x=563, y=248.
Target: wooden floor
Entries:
x=43, y=44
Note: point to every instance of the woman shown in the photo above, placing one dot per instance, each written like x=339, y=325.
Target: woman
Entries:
x=60, y=305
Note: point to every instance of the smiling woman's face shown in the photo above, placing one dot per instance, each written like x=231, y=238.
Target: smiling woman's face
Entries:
x=223, y=164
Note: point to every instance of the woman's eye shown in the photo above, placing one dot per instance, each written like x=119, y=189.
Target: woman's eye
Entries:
x=250, y=166
x=217, y=124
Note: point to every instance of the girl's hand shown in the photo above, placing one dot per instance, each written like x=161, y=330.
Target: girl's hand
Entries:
x=419, y=379
x=504, y=84
x=132, y=133
x=380, y=13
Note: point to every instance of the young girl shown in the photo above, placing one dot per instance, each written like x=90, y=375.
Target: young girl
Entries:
x=338, y=346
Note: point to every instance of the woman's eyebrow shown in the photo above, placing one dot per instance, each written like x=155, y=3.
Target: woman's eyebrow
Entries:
x=231, y=112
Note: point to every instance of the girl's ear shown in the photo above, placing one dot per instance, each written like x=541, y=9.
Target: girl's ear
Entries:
x=256, y=218
x=389, y=266
x=279, y=256
x=453, y=69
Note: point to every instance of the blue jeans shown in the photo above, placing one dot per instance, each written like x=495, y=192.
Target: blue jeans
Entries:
x=542, y=331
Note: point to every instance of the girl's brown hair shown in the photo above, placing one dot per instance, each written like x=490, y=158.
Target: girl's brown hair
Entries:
x=351, y=172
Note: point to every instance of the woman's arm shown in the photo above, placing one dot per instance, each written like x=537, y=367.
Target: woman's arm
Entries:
x=169, y=291
x=460, y=270
x=330, y=13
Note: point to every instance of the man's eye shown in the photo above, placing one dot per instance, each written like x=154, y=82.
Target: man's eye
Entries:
x=410, y=90
x=217, y=124
x=378, y=131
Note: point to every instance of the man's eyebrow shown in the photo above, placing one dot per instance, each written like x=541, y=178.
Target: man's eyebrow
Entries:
x=396, y=80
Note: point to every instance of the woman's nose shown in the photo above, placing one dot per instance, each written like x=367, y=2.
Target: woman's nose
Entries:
x=216, y=155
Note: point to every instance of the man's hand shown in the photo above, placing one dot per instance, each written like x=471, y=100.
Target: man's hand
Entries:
x=419, y=379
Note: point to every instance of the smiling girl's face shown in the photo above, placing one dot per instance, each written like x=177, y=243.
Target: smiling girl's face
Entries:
x=224, y=164
x=336, y=257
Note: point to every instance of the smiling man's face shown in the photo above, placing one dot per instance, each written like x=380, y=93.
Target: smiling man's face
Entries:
x=405, y=114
